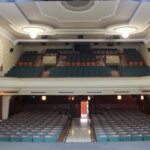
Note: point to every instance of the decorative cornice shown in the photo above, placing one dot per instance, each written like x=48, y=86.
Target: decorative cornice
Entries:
x=7, y=35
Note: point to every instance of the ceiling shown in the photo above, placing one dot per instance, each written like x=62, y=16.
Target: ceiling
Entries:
x=95, y=19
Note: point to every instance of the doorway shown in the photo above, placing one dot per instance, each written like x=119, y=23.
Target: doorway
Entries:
x=84, y=109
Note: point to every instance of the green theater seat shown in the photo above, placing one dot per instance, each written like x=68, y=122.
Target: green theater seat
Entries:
x=15, y=138
x=38, y=139
x=125, y=137
x=26, y=138
x=102, y=138
x=114, y=138
x=4, y=138
x=50, y=139
x=136, y=137
x=146, y=137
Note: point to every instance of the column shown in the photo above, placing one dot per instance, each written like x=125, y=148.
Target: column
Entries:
x=5, y=107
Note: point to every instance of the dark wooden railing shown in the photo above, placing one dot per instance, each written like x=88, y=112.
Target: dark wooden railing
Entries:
x=65, y=132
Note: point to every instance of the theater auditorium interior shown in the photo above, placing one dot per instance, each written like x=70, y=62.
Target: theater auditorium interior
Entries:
x=75, y=74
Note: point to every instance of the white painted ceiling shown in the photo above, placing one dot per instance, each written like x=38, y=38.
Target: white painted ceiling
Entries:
x=98, y=21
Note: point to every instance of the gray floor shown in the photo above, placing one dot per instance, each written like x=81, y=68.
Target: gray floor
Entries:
x=76, y=146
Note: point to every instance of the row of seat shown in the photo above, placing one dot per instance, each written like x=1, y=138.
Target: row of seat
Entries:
x=24, y=71
x=106, y=51
x=21, y=63
x=29, y=56
x=33, y=126
x=80, y=71
x=114, y=125
x=83, y=63
x=93, y=51
x=128, y=71
x=132, y=54
x=27, y=138
x=125, y=138
x=58, y=51
x=80, y=59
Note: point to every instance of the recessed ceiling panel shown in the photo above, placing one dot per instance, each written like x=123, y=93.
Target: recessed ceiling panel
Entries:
x=98, y=11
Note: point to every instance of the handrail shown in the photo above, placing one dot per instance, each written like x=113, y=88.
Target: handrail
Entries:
x=93, y=135
x=67, y=131
x=63, y=135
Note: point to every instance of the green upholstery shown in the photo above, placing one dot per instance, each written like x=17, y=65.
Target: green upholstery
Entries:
x=80, y=71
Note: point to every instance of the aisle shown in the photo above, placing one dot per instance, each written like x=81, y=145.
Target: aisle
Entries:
x=79, y=131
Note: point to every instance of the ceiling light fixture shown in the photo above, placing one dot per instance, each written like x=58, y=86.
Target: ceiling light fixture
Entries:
x=29, y=30
x=125, y=31
x=33, y=31
x=69, y=98
x=33, y=35
x=125, y=35
x=119, y=97
x=89, y=98
x=44, y=98
x=72, y=98
x=142, y=97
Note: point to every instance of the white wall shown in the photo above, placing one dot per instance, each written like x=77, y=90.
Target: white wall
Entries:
x=145, y=53
x=8, y=59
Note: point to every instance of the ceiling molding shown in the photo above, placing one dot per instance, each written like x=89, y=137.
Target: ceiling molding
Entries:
x=80, y=31
x=22, y=12
x=66, y=10
x=146, y=15
x=137, y=7
x=66, y=7
x=114, y=11
x=7, y=35
x=43, y=14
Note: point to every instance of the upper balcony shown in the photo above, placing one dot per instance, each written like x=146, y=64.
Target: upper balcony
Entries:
x=66, y=63
x=68, y=72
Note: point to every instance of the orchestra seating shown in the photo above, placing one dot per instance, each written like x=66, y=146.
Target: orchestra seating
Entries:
x=24, y=71
x=114, y=125
x=88, y=71
x=134, y=71
x=33, y=126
